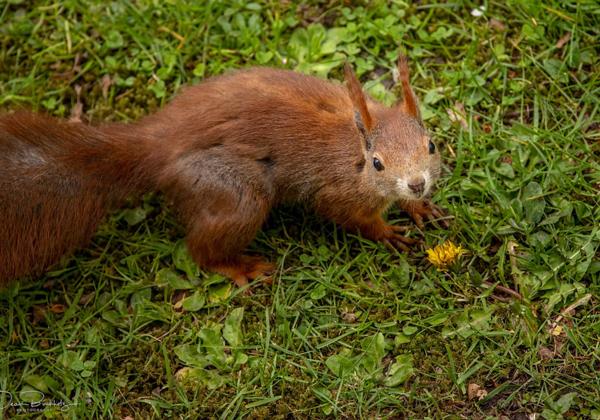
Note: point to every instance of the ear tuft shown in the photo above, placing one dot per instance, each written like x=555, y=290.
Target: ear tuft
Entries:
x=358, y=100
x=409, y=100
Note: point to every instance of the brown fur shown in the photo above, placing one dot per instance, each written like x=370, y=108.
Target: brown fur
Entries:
x=225, y=152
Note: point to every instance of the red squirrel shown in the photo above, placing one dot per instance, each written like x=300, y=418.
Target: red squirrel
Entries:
x=224, y=152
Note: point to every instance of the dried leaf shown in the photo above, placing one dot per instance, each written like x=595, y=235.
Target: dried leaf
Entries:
x=475, y=391
x=545, y=353
x=457, y=114
x=39, y=314
x=106, y=84
x=349, y=317
x=76, y=63
x=497, y=25
x=77, y=110
x=557, y=330
x=49, y=284
x=472, y=390
x=178, y=299
x=563, y=40
x=57, y=308
x=86, y=298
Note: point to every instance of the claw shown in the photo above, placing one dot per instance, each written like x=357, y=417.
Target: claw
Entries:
x=263, y=270
x=406, y=240
x=418, y=220
x=393, y=240
x=399, y=228
x=393, y=245
x=440, y=214
x=425, y=209
x=246, y=268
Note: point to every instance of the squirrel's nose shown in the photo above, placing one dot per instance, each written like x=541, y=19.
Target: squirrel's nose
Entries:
x=417, y=185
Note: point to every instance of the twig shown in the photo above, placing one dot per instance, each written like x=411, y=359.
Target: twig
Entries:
x=503, y=289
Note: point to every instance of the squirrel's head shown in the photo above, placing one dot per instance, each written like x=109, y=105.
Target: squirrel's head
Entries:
x=401, y=160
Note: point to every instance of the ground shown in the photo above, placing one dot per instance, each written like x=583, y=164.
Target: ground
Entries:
x=128, y=327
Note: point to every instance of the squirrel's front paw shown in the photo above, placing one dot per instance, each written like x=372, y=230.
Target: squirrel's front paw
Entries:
x=393, y=240
x=424, y=209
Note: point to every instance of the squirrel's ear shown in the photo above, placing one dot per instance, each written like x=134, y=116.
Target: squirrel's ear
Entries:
x=409, y=103
x=363, y=119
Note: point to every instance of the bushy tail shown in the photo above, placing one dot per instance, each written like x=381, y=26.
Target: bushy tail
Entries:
x=57, y=181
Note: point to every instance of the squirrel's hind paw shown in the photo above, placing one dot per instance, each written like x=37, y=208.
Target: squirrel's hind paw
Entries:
x=246, y=268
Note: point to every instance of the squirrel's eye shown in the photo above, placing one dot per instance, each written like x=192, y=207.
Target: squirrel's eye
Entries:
x=431, y=148
x=377, y=164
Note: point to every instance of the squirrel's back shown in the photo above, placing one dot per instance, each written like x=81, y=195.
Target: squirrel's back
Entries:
x=300, y=127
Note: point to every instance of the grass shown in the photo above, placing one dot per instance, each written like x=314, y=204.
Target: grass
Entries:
x=129, y=326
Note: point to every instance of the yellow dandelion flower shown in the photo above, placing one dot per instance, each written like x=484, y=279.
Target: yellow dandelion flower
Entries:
x=444, y=255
